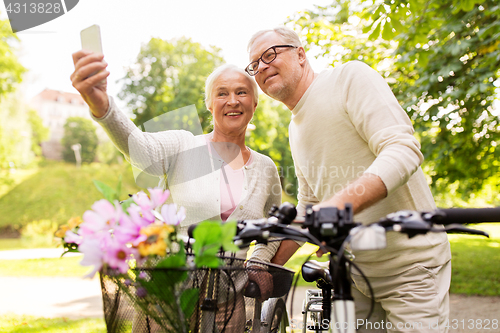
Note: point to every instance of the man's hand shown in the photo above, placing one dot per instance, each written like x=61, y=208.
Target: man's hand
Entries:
x=93, y=88
x=264, y=280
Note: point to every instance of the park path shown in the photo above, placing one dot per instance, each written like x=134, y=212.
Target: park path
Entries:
x=75, y=298
x=50, y=297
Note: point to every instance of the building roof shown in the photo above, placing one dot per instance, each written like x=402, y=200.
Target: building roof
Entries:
x=60, y=96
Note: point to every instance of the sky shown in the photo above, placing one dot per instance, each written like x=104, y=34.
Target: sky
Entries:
x=125, y=25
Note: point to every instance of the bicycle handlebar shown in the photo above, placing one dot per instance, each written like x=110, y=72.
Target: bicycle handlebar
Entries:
x=332, y=226
x=466, y=215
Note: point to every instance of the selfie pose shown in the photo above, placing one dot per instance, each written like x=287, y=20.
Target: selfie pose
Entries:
x=213, y=176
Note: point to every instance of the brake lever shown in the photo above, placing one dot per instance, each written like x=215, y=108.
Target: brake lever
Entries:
x=458, y=228
x=413, y=228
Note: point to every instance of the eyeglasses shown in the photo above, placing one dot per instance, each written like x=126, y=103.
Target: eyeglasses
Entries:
x=267, y=57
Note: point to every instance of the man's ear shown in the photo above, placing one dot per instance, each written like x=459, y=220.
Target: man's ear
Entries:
x=302, y=55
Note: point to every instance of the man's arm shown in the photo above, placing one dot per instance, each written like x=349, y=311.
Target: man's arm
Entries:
x=285, y=251
x=362, y=193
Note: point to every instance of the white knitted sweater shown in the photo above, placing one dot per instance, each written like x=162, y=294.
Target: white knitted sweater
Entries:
x=193, y=174
x=348, y=122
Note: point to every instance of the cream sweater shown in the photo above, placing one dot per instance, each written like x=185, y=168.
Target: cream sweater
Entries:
x=347, y=123
x=193, y=174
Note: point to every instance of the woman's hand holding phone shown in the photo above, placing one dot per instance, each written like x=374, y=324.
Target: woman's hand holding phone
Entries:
x=90, y=74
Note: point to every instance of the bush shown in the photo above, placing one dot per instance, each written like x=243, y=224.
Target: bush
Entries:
x=39, y=233
x=108, y=154
x=81, y=131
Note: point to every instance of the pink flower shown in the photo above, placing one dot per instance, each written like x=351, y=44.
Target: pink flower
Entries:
x=100, y=220
x=92, y=255
x=129, y=227
x=117, y=255
x=158, y=196
x=143, y=201
x=171, y=215
x=71, y=237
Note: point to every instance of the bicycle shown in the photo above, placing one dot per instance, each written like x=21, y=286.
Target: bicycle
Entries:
x=331, y=229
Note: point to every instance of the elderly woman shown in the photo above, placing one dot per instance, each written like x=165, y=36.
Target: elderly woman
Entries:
x=214, y=176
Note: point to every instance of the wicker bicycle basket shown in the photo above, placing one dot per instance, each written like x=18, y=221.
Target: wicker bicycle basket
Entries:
x=184, y=299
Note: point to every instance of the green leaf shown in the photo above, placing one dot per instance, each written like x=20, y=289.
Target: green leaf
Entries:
x=207, y=235
x=376, y=31
x=118, y=187
x=174, y=261
x=209, y=261
x=228, y=233
x=397, y=26
x=126, y=203
x=189, y=301
x=108, y=193
x=387, y=33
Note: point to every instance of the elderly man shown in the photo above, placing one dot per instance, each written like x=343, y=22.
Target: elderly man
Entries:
x=352, y=143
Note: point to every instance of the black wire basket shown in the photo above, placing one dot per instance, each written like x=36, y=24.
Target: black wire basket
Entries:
x=185, y=299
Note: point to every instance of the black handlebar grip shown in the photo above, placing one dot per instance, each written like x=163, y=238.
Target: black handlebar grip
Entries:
x=191, y=229
x=252, y=290
x=466, y=215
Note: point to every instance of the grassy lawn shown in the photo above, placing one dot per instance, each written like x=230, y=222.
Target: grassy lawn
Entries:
x=476, y=262
x=29, y=324
x=18, y=244
x=59, y=191
x=63, y=267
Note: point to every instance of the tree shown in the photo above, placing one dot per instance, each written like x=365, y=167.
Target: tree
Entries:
x=442, y=60
x=39, y=133
x=270, y=137
x=78, y=130
x=15, y=135
x=169, y=75
x=11, y=70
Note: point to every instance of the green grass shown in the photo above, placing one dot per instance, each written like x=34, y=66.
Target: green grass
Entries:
x=476, y=262
x=29, y=324
x=59, y=191
x=16, y=244
x=46, y=267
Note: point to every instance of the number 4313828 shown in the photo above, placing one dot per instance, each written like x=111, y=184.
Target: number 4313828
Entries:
x=33, y=8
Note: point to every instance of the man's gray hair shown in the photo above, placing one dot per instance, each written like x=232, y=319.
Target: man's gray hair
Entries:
x=209, y=83
x=288, y=35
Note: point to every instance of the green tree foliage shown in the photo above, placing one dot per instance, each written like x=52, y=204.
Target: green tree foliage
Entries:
x=15, y=135
x=11, y=70
x=442, y=60
x=169, y=75
x=79, y=130
x=270, y=137
x=39, y=133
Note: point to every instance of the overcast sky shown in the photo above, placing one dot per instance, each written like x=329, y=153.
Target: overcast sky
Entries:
x=127, y=24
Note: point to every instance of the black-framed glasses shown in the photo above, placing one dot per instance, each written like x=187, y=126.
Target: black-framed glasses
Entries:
x=267, y=57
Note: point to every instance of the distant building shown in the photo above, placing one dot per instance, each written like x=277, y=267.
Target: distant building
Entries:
x=54, y=107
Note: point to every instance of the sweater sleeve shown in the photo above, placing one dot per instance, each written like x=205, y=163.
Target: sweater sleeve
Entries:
x=382, y=123
x=264, y=253
x=150, y=152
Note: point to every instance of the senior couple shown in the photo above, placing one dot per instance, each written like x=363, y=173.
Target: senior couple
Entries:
x=344, y=118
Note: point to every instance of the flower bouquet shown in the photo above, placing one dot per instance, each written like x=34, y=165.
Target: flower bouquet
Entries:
x=151, y=281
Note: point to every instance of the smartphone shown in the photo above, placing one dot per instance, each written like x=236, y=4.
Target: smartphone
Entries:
x=91, y=39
